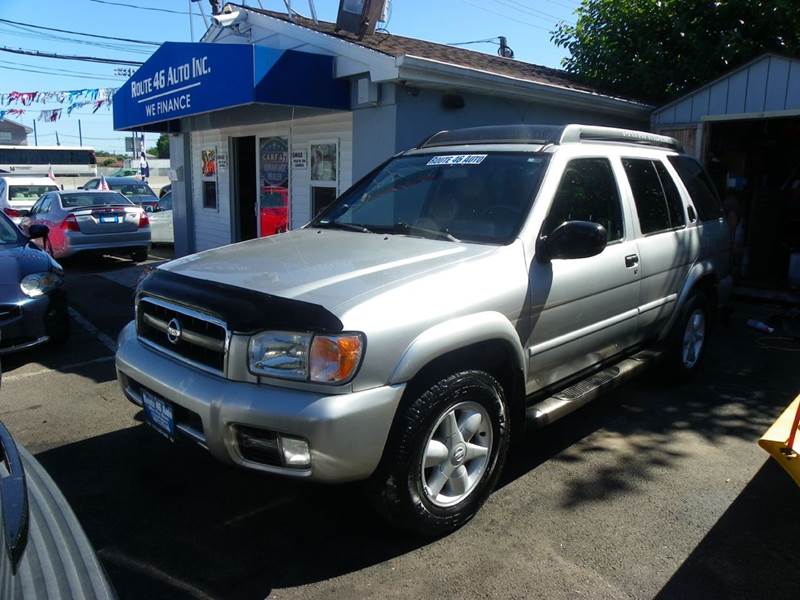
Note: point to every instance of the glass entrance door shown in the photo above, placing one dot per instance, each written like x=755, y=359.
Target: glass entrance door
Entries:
x=273, y=185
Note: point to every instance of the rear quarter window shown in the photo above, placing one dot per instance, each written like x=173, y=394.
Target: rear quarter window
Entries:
x=698, y=184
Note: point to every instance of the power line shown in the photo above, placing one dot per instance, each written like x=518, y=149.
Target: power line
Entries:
x=94, y=59
x=510, y=18
x=165, y=10
x=20, y=31
x=62, y=74
x=96, y=35
x=524, y=8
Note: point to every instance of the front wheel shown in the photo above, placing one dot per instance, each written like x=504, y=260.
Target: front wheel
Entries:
x=446, y=456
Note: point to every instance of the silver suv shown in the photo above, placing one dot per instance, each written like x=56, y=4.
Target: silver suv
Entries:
x=489, y=279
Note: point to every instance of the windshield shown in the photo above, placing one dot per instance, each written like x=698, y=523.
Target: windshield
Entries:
x=92, y=199
x=28, y=192
x=461, y=197
x=9, y=234
x=133, y=189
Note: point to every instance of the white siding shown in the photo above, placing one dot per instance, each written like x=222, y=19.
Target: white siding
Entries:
x=213, y=227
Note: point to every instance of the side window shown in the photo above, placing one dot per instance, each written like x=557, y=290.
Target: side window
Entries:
x=47, y=203
x=90, y=185
x=704, y=195
x=674, y=200
x=651, y=205
x=587, y=192
x=37, y=205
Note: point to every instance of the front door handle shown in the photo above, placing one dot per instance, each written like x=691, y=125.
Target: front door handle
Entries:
x=631, y=260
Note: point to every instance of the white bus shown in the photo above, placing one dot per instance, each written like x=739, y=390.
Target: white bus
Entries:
x=36, y=160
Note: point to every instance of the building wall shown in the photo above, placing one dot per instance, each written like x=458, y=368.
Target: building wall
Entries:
x=407, y=116
x=767, y=86
x=12, y=134
x=212, y=227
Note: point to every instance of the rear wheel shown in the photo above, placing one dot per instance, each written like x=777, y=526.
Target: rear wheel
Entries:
x=446, y=456
x=139, y=254
x=687, y=341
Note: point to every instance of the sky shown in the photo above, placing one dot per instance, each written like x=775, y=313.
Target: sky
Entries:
x=526, y=24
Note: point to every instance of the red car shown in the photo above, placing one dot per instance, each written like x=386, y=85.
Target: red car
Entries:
x=274, y=210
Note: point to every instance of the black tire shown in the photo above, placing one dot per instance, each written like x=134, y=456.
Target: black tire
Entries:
x=57, y=324
x=676, y=366
x=139, y=255
x=397, y=488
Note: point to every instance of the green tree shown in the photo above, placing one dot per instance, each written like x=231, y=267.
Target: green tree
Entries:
x=161, y=149
x=658, y=49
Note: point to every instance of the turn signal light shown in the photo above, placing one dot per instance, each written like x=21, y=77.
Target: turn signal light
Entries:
x=334, y=358
x=144, y=220
x=70, y=223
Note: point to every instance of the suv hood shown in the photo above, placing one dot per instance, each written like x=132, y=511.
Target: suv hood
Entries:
x=324, y=266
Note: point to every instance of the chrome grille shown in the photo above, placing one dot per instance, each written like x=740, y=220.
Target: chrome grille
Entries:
x=184, y=333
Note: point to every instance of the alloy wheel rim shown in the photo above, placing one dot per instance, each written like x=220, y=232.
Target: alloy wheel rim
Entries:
x=456, y=454
x=693, y=338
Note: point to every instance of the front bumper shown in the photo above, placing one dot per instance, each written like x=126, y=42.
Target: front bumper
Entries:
x=346, y=432
x=26, y=326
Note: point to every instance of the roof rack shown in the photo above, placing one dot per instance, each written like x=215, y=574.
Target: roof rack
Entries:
x=594, y=133
x=547, y=134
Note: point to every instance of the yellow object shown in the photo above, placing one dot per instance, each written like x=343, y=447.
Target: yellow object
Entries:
x=782, y=440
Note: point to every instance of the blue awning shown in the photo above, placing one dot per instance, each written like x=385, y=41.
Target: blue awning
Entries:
x=183, y=79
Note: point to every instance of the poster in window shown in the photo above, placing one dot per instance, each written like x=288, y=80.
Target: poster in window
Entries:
x=273, y=153
x=208, y=156
x=323, y=162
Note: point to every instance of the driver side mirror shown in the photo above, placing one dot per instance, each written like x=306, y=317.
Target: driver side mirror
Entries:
x=37, y=230
x=572, y=239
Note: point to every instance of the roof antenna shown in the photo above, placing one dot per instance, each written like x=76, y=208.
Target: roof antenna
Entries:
x=312, y=9
x=504, y=50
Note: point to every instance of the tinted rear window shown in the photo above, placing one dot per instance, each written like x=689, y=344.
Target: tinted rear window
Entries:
x=28, y=192
x=132, y=189
x=699, y=186
x=93, y=199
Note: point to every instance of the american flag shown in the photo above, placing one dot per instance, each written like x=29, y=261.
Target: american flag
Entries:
x=50, y=173
x=103, y=187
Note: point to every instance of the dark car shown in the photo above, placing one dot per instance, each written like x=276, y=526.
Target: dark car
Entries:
x=165, y=190
x=33, y=302
x=44, y=552
x=136, y=190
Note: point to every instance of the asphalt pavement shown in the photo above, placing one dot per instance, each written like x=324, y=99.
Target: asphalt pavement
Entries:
x=657, y=490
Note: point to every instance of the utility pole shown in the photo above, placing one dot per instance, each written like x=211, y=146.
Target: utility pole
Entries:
x=58, y=143
x=80, y=134
x=191, y=25
x=35, y=135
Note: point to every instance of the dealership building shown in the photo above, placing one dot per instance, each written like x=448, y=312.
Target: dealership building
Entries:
x=271, y=117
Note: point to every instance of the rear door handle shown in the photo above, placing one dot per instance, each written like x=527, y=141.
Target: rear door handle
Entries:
x=631, y=260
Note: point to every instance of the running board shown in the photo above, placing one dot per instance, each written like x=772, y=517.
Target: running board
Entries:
x=573, y=397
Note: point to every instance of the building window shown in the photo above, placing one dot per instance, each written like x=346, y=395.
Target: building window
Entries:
x=210, y=194
x=324, y=157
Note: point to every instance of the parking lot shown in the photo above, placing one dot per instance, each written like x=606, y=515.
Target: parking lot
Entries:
x=656, y=490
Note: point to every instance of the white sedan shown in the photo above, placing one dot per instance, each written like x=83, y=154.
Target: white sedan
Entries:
x=161, y=221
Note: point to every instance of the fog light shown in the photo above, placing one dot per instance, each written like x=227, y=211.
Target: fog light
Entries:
x=295, y=452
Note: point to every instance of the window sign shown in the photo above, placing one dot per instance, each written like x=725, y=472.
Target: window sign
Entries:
x=208, y=169
x=300, y=158
x=324, y=162
x=273, y=179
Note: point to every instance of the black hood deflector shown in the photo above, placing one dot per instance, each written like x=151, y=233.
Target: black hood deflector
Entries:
x=243, y=310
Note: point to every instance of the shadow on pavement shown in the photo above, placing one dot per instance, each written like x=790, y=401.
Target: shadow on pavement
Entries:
x=752, y=550
x=171, y=522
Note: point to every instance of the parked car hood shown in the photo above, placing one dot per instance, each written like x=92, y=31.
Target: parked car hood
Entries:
x=325, y=266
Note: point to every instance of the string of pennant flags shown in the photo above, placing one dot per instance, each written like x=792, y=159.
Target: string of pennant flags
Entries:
x=73, y=99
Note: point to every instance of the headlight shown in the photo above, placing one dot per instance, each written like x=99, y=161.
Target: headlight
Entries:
x=37, y=284
x=306, y=357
